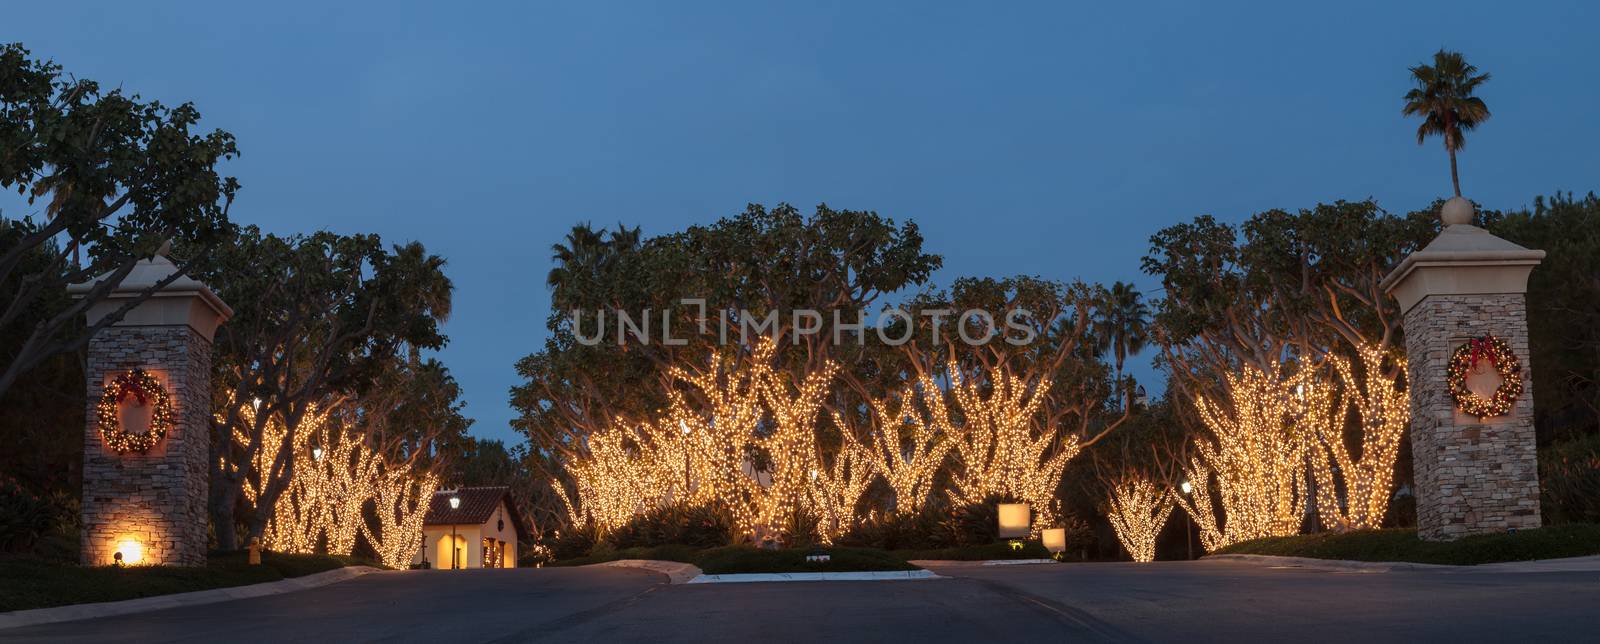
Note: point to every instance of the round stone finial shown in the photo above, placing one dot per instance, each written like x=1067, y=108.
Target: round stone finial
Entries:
x=1456, y=211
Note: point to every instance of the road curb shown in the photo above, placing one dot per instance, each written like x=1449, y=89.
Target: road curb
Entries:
x=1333, y=564
x=881, y=575
x=676, y=572
x=1569, y=564
x=74, y=612
x=980, y=562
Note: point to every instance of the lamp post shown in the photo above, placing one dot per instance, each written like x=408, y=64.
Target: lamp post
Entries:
x=455, y=503
x=1188, y=529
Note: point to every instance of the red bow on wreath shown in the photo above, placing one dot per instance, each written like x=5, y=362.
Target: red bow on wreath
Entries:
x=126, y=386
x=1481, y=348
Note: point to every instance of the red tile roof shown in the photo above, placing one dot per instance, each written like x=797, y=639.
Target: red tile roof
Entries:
x=477, y=506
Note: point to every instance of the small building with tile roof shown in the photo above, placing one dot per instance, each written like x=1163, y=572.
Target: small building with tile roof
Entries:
x=480, y=525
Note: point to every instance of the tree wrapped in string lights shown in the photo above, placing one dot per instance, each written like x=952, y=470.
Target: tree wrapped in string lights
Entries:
x=1353, y=489
x=1001, y=449
x=1253, y=458
x=402, y=499
x=907, y=445
x=336, y=478
x=737, y=433
x=1137, y=509
x=618, y=478
x=835, y=491
x=297, y=525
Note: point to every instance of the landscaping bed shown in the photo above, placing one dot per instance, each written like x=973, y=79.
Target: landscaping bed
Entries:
x=34, y=583
x=745, y=559
x=1550, y=542
x=986, y=552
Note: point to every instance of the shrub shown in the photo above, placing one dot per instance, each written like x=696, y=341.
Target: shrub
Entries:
x=576, y=541
x=33, y=524
x=705, y=526
x=1569, y=481
x=534, y=555
x=801, y=531
x=973, y=524
x=918, y=531
x=1081, y=537
x=979, y=552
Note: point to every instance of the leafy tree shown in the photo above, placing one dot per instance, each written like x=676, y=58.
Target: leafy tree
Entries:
x=490, y=462
x=318, y=320
x=1250, y=325
x=1443, y=98
x=761, y=260
x=118, y=177
x=1563, y=319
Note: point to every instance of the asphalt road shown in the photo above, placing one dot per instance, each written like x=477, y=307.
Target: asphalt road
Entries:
x=1170, y=601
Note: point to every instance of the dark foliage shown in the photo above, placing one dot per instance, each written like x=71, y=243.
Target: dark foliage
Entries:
x=973, y=524
x=33, y=583
x=1571, y=540
x=919, y=531
x=703, y=526
x=575, y=542
x=1569, y=481
x=43, y=525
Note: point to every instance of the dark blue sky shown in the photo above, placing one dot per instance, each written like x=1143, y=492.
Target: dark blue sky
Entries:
x=1042, y=139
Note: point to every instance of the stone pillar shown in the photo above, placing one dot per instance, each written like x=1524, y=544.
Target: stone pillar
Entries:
x=150, y=505
x=1473, y=475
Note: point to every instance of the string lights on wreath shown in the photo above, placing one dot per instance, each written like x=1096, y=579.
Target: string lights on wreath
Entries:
x=1466, y=358
x=140, y=386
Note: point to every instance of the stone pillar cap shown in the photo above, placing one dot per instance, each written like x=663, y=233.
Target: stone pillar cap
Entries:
x=1463, y=259
x=162, y=306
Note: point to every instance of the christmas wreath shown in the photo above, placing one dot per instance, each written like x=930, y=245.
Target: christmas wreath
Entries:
x=146, y=390
x=1466, y=358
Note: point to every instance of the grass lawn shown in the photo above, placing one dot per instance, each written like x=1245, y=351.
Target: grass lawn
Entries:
x=745, y=559
x=1550, y=542
x=999, y=550
x=33, y=583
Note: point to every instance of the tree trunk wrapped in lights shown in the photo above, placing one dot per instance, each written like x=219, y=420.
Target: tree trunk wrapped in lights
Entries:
x=835, y=491
x=335, y=477
x=792, y=451
x=402, y=503
x=1383, y=410
x=618, y=479
x=722, y=435
x=1001, y=450
x=908, y=460
x=295, y=524
x=1256, y=457
x=1137, y=509
x=740, y=435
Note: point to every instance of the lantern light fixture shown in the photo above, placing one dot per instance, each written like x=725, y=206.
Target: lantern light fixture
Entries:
x=1015, y=520
x=1055, y=540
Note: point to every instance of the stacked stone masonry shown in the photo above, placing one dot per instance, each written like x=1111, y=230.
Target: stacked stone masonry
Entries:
x=1473, y=475
x=157, y=498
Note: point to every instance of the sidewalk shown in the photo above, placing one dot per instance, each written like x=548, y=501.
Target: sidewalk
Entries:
x=1572, y=564
x=73, y=612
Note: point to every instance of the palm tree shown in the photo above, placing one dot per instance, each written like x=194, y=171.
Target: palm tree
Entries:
x=587, y=256
x=574, y=260
x=1121, y=326
x=1443, y=98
